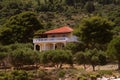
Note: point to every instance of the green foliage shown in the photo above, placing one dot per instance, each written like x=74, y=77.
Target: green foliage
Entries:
x=15, y=46
x=75, y=47
x=19, y=54
x=2, y=55
x=90, y=7
x=17, y=75
x=96, y=57
x=93, y=57
x=17, y=28
x=103, y=72
x=93, y=77
x=61, y=73
x=81, y=58
x=116, y=31
x=4, y=49
x=93, y=31
x=42, y=74
x=20, y=57
x=70, y=2
x=57, y=57
x=114, y=50
x=82, y=78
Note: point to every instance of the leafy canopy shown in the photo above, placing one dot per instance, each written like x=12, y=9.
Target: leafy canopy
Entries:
x=20, y=28
x=95, y=30
x=114, y=50
x=57, y=57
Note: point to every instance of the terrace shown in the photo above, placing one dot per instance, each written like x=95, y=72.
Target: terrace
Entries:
x=56, y=39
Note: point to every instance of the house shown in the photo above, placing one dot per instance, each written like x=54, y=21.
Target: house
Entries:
x=54, y=39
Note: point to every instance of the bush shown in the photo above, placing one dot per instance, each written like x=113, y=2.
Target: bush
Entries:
x=42, y=74
x=57, y=57
x=103, y=72
x=82, y=78
x=93, y=77
x=15, y=75
x=19, y=75
x=61, y=73
x=26, y=56
x=2, y=76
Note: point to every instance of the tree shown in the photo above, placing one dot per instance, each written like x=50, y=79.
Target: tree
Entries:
x=15, y=46
x=18, y=75
x=3, y=56
x=38, y=2
x=20, y=28
x=90, y=7
x=75, y=47
x=69, y=2
x=81, y=58
x=93, y=57
x=20, y=57
x=95, y=30
x=57, y=57
x=114, y=50
x=22, y=54
x=96, y=57
x=116, y=31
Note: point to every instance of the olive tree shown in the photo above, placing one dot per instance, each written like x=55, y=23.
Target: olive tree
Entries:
x=57, y=57
x=114, y=50
x=20, y=28
x=75, y=47
x=22, y=54
x=95, y=30
x=96, y=57
x=93, y=57
x=3, y=55
x=20, y=57
x=81, y=58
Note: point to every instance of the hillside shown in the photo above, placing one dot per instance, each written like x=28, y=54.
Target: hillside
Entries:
x=60, y=12
x=86, y=47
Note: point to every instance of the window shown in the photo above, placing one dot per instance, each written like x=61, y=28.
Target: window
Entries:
x=64, y=35
x=53, y=36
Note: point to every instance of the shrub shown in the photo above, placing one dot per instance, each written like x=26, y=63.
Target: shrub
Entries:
x=42, y=74
x=82, y=78
x=57, y=57
x=103, y=72
x=19, y=75
x=61, y=73
x=93, y=77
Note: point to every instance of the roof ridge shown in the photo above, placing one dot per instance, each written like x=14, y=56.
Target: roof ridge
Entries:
x=63, y=29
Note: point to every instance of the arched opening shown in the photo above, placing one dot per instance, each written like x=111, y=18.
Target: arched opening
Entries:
x=59, y=46
x=37, y=47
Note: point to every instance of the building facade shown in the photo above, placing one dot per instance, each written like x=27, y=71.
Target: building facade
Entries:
x=54, y=39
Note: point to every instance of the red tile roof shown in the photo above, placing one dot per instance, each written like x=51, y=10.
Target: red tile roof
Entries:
x=64, y=29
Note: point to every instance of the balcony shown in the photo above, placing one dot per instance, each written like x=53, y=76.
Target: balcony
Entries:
x=57, y=39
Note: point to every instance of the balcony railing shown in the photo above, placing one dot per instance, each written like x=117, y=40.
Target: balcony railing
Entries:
x=57, y=39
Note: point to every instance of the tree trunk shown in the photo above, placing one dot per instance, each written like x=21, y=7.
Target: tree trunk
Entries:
x=71, y=66
x=57, y=65
x=4, y=66
x=93, y=67
x=36, y=66
x=60, y=65
x=118, y=64
x=84, y=66
x=93, y=45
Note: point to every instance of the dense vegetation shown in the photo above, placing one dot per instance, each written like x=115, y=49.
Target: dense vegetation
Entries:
x=95, y=22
